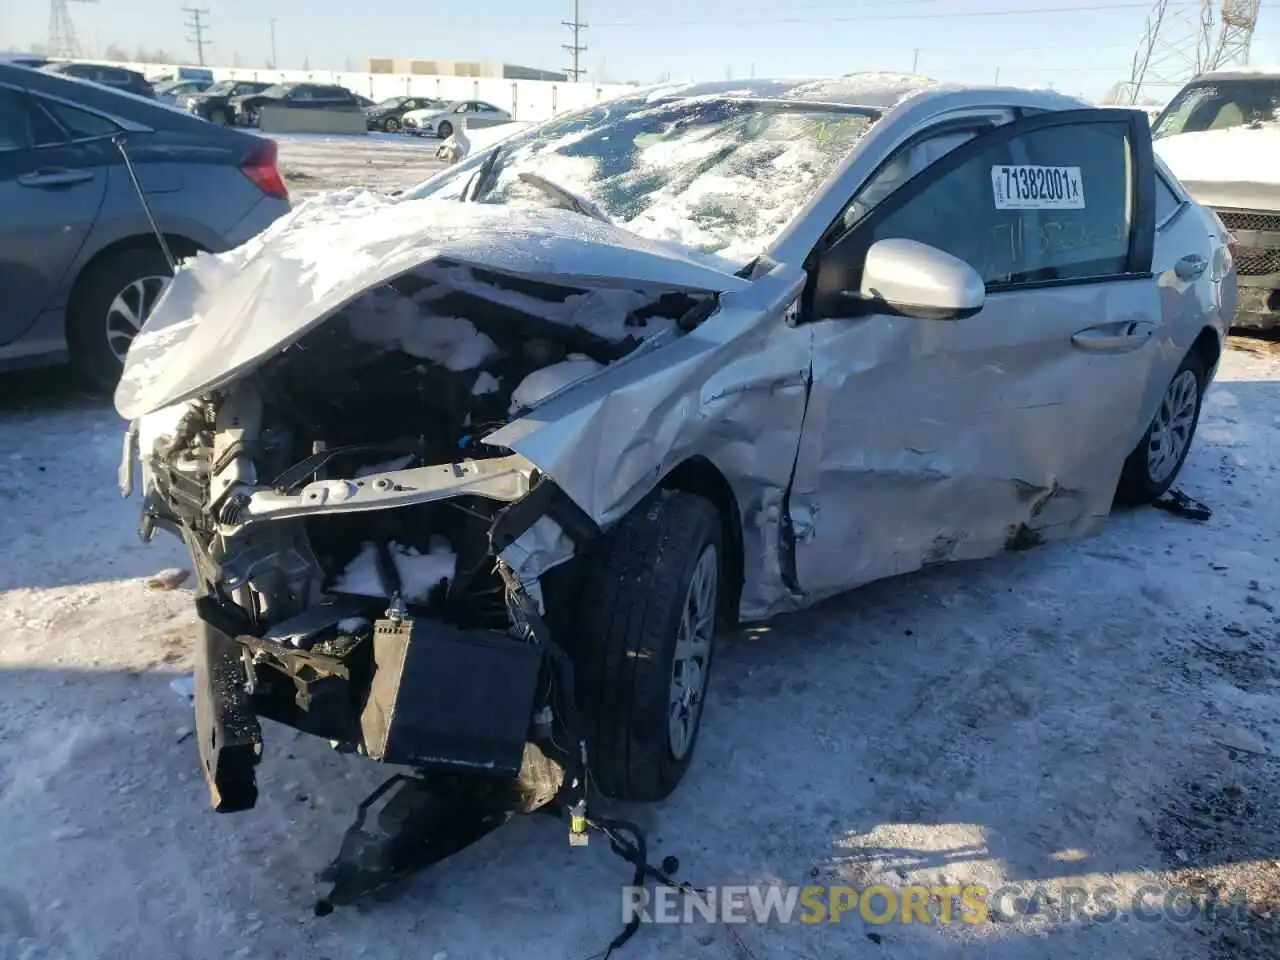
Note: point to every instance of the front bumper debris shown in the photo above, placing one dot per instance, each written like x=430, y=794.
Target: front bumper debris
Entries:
x=1258, y=303
x=227, y=732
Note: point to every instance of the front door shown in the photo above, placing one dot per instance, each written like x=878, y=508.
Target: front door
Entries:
x=928, y=440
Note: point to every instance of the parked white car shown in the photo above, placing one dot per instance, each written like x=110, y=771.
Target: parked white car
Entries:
x=443, y=121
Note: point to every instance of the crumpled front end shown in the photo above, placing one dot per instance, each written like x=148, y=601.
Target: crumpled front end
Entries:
x=371, y=571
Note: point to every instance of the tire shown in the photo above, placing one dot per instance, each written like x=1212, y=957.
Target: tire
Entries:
x=444, y=130
x=391, y=125
x=637, y=589
x=1147, y=475
x=128, y=282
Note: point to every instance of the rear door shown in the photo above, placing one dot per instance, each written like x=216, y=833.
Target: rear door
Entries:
x=932, y=440
x=49, y=200
x=485, y=115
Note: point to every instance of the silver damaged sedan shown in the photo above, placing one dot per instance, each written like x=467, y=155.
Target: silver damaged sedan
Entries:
x=471, y=476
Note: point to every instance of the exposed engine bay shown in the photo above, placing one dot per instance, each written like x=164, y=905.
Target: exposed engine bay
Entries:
x=372, y=572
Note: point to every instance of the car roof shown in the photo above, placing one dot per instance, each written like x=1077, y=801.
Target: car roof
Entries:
x=133, y=112
x=1238, y=73
x=57, y=66
x=879, y=90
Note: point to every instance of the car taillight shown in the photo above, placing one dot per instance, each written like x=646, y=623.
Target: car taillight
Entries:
x=260, y=167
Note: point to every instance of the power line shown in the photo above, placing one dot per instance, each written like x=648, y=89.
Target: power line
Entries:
x=575, y=48
x=198, y=25
x=876, y=18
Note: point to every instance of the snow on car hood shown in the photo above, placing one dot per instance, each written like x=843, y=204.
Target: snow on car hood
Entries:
x=1231, y=155
x=223, y=315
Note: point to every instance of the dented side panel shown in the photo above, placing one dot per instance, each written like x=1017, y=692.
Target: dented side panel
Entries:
x=928, y=441
x=731, y=392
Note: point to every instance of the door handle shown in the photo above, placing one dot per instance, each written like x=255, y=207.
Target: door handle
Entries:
x=1115, y=338
x=1190, y=267
x=55, y=178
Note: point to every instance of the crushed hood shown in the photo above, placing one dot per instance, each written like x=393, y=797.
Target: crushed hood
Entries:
x=225, y=314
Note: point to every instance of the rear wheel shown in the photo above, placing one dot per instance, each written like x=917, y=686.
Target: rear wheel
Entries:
x=110, y=307
x=644, y=644
x=1155, y=462
x=391, y=125
x=445, y=130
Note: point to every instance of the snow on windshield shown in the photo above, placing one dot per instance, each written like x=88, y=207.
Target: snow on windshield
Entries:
x=712, y=173
x=1221, y=104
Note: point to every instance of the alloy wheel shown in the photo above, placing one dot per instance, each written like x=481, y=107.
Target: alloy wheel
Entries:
x=693, y=653
x=1171, y=429
x=129, y=310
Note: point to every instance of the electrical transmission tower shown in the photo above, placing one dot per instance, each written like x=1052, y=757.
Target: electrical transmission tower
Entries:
x=62, y=32
x=198, y=27
x=1179, y=43
x=1239, y=19
x=575, y=48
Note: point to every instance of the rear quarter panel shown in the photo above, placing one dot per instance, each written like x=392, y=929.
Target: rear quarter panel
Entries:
x=211, y=204
x=1187, y=307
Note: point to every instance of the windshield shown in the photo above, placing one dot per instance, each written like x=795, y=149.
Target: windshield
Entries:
x=721, y=175
x=1220, y=104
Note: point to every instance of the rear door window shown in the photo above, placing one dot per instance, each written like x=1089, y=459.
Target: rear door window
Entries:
x=16, y=132
x=79, y=124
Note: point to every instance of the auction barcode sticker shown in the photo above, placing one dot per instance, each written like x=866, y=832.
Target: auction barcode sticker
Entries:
x=1025, y=187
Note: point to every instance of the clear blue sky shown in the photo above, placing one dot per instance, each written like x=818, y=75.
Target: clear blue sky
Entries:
x=1082, y=48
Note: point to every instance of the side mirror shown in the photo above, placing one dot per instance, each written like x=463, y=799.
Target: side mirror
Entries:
x=912, y=279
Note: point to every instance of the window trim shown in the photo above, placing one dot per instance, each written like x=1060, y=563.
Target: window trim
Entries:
x=1142, y=230
x=53, y=118
x=836, y=230
x=125, y=125
x=1177, y=210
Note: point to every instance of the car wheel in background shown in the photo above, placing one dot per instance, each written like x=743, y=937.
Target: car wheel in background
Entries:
x=643, y=643
x=111, y=305
x=445, y=130
x=391, y=125
x=1154, y=464
x=218, y=116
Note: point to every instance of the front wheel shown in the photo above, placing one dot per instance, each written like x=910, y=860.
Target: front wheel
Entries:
x=113, y=303
x=1155, y=462
x=644, y=643
x=445, y=130
x=391, y=125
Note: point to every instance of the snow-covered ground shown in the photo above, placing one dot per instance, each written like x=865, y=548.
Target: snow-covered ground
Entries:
x=1104, y=712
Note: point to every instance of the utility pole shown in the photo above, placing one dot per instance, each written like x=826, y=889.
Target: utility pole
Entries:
x=274, y=62
x=915, y=60
x=199, y=26
x=575, y=48
x=997, y=76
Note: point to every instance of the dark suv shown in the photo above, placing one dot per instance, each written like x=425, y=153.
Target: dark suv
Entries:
x=293, y=95
x=214, y=104
x=80, y=267
x=118, y=78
